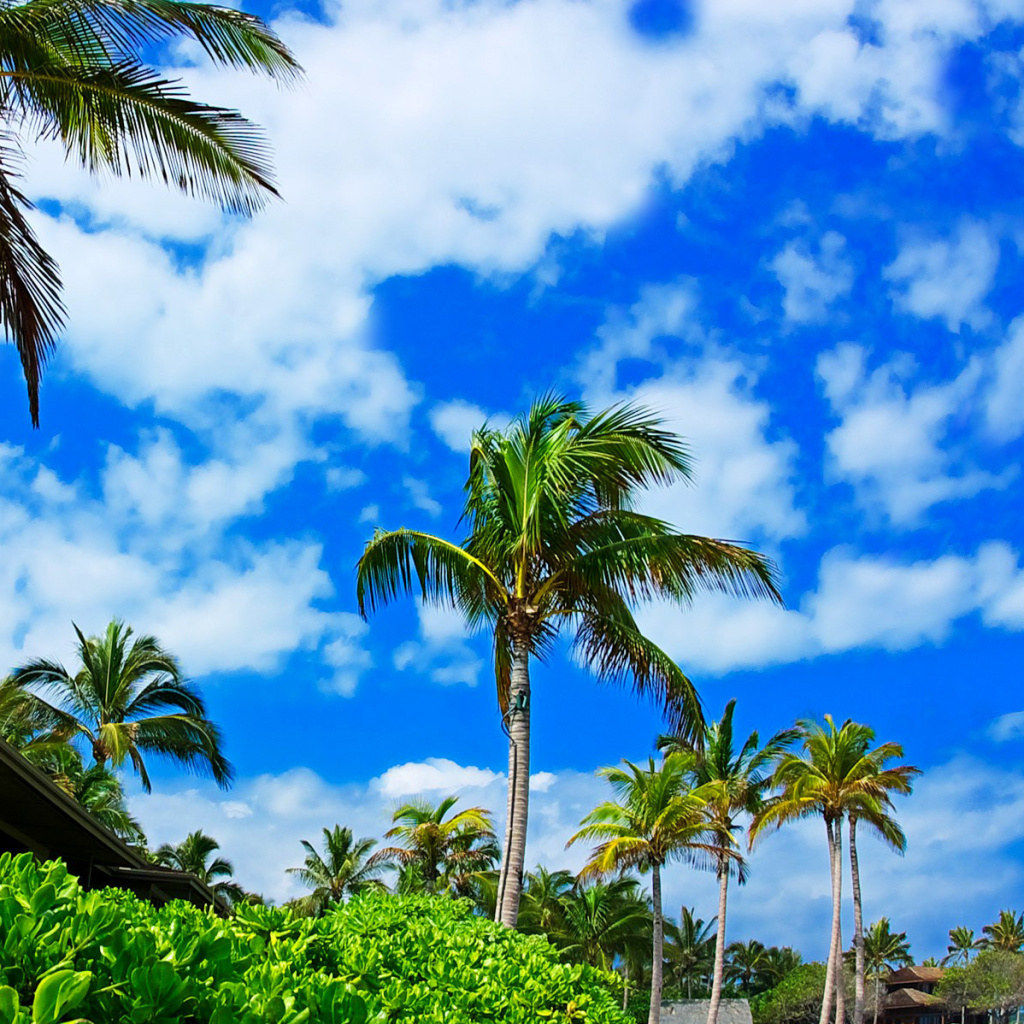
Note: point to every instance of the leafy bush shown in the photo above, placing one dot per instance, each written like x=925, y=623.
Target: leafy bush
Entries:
x=109, y=958
x=795, y=1000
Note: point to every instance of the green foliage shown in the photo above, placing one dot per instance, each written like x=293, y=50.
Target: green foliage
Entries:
x=796, y=999
x=994, y=981
x=70, y=956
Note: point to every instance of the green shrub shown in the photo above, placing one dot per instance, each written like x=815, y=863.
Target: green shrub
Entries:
x=796, y=999
x=109, y=958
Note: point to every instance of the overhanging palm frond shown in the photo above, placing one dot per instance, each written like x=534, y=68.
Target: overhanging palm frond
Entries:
x=31, y=309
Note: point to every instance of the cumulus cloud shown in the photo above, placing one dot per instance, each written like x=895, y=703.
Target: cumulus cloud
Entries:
x=812, y=281
x=443, y=652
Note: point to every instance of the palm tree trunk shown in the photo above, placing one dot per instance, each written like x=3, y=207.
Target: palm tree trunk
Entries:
x=876, y=996
x=625, y=985
x=835, y=865
x=858, y=928
x=658, y=952
x=719, y=972
x=510, y=880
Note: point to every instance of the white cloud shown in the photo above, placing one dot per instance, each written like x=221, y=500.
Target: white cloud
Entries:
x=1004, y=396
x=1007, y=727
x=892, y=440
x=813, y=280
x=454, y=422
x=419, y=496
x=444, y=652
x=435, y=775
x=947, y=278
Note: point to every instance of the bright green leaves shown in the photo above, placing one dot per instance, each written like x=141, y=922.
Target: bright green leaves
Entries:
x=70, y=957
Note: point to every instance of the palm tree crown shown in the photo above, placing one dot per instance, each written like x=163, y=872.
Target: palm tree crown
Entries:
x=128, y=699
x=193, y=855
x=72, y=73
x=554, y=542
x=342, y=870
x=1007, y=933
x=962, y=944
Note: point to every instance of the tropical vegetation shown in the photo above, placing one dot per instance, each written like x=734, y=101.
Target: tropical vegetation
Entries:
x=555, y=543
x=341, y=871
x=193, y=855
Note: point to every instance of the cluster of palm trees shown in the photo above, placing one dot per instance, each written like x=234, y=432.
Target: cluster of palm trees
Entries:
x=127, y=701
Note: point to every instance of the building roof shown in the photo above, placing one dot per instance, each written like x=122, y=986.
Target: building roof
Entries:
x=915, y=975
x=695, y=1011
x=38, y=816
x=910, y=998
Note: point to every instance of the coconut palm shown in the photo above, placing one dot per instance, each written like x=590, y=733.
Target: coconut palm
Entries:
x=884, y=951
x=779, y=961
x=542, y=911
x=553, y=541
x=962, y=944
x=690, y=950
x=835, y=773
x=193, y=855
x=72, y=73
x=743, y=778
x=129, y=699
x=342, y=870
x=440, y=850
x=747, y=965
x=873, y=810
x=1007, y=933
x=604, y=920
x=657, y=818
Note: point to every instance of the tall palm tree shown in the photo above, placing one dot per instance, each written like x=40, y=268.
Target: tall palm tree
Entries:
x=342, y=870
x=690, y=950
x=72, y=72
x=962, y=944
x=657, y=818
x=553, y=541
x=193, y=855
x=874, y=811
x=1007, y=933
x=442, y=849
x=743, y=778
x=128, y=699
x=835, y=773
x=884, y=951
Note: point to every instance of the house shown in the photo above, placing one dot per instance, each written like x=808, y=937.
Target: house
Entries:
x=695, y=1011
x=910, y=999
x=39, y=817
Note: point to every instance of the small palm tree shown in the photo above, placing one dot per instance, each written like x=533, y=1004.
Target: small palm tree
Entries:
x=836, y=774
x=554, y=544
x=747, y=965
x=962, y=944
x=604, y=920
x=778, y=962
x=743, y=778
x=542, y=911
x=657, y=818
x=690, y=950
x=1006, y=934
x=441, y=850
x=73, y=73
x=193, y=855
x=128, y=699
x=884, y=951
x=342, y=870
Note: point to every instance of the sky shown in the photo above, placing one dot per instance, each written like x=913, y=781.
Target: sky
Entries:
x=795, y=230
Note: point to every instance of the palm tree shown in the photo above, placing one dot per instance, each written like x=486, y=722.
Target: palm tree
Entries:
x=690, y=950
x=341, y=871
x=553, y=542
x=873, y=810
x=72, y=72
x=657, y=818
x=962, y=944
x=126, y=702
x=542, y=911
x=604, y=920
x=443, y=850
x=747, y=964
x=743, y=778
x=778, y=962
x=884, y=951
x=835, y=773
x=193, y=855
x=1007, y=933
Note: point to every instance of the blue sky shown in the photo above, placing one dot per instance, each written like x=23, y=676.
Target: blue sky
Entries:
x=795, y=229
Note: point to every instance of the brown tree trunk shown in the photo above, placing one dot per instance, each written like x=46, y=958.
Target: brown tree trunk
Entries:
x=877, y=997
x=719, y=971
x=625, y=986
x=658, y=951
x=834, y=833
x=510, y=880
x=858, y=928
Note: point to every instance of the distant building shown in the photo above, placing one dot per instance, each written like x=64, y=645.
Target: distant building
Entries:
x=910, y=999
x=39, y=817
x=695, y=1011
